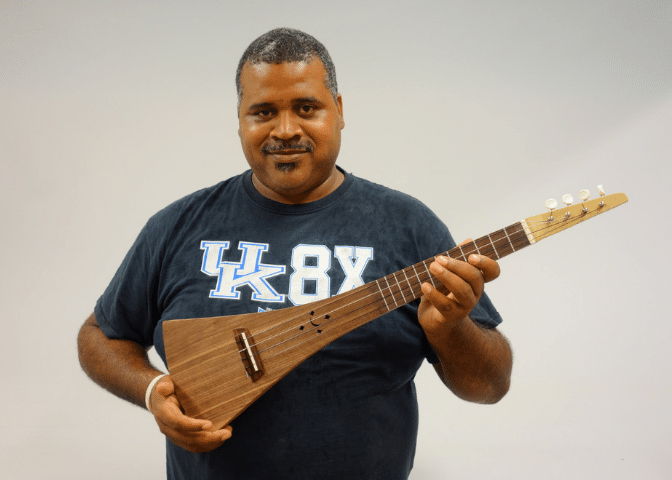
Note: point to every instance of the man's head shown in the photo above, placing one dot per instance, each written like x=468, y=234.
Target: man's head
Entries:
x=290, y=117
x=287, y=45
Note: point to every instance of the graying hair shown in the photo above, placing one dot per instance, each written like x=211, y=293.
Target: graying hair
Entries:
x=287, y=45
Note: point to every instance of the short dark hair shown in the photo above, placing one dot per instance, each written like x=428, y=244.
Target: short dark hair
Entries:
x=287, y=45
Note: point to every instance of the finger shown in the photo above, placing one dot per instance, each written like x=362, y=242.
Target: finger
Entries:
x=445, y=304
x=463, y=280
x=451, y=306
x=192, y=434
x=171, y=416
x=488, y=267
x=200, y=441
x=169, y=412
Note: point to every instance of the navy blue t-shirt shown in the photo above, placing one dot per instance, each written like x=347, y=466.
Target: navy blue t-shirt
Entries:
x=349, y=411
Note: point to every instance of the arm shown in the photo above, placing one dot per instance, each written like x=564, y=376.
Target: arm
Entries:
x=474, y=362
x=123, y=368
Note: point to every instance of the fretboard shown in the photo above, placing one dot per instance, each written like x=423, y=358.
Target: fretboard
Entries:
x=404, y=286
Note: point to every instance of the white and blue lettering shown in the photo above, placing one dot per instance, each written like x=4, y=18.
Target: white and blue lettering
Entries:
x=249, y=271
x=310, y=281
x=353, y=261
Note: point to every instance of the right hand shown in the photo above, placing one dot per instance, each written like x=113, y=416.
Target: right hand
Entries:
x=192, y=434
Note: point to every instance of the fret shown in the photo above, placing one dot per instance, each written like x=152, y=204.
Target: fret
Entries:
x=417, y=276
x=390, y=289
x=486, y=247
x=382, y=295
x=430, y=277
x=493, y=246
x=408, y=282
x=464, y=257
x=502, y=242
x=518, y=236
x=400, y=290
x=513, y=249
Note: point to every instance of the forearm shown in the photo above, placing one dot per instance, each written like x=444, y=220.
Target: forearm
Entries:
x=120, y=366
x=475, y=362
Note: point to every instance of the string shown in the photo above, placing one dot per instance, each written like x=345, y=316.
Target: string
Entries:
x=360, y=309
x=514, y=243
x=377, y=295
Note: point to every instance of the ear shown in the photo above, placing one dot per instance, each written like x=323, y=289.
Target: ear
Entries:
x=339, y=105
x=240, y=124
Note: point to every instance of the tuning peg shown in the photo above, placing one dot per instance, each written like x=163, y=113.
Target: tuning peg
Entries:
x=567, y=200
x=551, y=204
x=584, y=195
x=602, y=194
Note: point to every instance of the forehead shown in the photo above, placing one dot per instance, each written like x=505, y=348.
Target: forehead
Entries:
x=271, y=82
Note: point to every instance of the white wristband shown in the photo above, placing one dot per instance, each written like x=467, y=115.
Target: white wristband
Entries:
x=150, y=387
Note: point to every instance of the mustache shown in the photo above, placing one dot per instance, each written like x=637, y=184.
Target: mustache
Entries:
x=287, y=146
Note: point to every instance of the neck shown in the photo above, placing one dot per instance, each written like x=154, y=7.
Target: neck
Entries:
x=325, y=188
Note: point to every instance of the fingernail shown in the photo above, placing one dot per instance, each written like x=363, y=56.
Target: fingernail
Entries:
x=474, y=258
x=442, y=260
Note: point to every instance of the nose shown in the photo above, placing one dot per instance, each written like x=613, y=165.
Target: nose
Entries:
x=286, y=126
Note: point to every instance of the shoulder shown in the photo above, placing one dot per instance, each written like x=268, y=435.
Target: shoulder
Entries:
x=375, y=193
x=190, y=212
x=391, y=203
x=396, y=215
x=200, y=201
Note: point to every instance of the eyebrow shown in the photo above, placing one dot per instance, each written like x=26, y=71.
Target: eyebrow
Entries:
x=307, y=100
x=263, y=105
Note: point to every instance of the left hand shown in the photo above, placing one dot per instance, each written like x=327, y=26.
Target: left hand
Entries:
x=439, y=313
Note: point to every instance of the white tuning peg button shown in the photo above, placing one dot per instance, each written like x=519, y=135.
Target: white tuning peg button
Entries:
x=584, y=195
x=567, y=200
x=601, y=190
x=551, y=204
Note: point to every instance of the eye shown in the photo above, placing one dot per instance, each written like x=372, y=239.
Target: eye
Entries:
x=306, y=109
x=264, y=113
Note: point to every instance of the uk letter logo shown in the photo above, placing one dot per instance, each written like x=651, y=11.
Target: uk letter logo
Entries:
x=249, y=271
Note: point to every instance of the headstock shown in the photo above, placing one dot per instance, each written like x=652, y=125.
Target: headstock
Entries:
x=546, y=224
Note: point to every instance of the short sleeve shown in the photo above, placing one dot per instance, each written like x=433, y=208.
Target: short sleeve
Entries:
x=128, y=308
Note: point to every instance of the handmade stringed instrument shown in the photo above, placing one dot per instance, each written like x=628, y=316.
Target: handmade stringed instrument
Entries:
x=221, y=365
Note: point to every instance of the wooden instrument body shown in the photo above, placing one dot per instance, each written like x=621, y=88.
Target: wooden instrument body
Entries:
x=221, y=365
x=205, y=352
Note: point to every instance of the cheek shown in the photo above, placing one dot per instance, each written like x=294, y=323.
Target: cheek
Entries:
x=250, y=136
x=327, y=135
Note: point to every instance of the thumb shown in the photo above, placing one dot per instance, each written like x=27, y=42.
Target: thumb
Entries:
x=165, y=387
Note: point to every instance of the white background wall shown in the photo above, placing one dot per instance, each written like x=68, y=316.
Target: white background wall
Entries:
x=483, y=110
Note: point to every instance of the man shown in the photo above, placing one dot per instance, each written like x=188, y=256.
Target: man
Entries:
x=294, y=229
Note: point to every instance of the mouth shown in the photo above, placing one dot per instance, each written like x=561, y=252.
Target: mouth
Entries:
x=287, y=156
x=288, y=152
x=286, y=149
